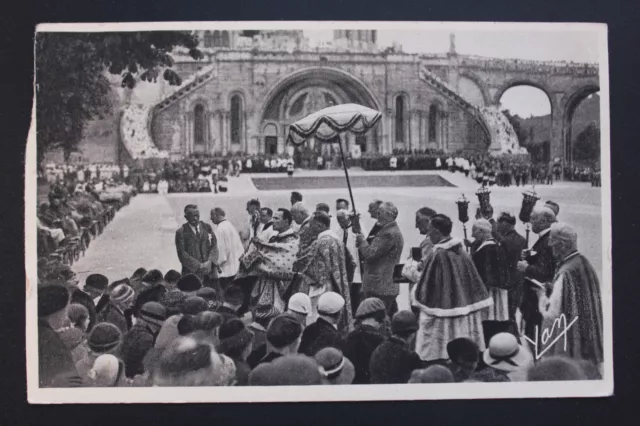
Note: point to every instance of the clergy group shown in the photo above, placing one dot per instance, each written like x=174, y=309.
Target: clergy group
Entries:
x=307, y=296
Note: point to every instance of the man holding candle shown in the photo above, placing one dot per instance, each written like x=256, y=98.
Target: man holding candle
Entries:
x=539, y=264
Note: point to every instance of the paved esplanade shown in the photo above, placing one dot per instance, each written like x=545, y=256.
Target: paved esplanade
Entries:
x=142, y=234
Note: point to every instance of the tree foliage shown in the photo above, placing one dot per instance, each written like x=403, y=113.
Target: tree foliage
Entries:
x=72, y=87
x=587, y=144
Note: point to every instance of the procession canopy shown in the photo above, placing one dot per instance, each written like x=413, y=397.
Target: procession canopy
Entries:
x=328, y=123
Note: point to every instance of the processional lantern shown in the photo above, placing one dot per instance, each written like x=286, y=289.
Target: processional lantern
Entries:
x=484, y=198
x=463, y=213
x=529, y=200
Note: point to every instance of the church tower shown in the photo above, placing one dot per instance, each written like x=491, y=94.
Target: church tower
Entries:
x=356, y=39
x=452, y=45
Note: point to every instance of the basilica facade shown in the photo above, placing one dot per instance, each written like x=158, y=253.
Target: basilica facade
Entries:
x=248, y=90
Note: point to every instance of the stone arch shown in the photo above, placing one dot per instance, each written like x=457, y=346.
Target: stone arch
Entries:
x=406, y=97
x=270, y=129
x=542, y=150
x=199, y=100
x=225, y=40
x=216, y=38
x=235, y=92
x=269, y=140
x=478, y=83
x=526, y=82
x=571, y=102
x=300, y=90
x=357, y=86
x=348, y=87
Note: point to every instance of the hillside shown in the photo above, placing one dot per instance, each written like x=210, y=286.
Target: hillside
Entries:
x=540, y=127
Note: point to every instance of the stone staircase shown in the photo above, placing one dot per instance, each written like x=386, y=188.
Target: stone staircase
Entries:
x=187, y=86
x=497, y=127
x=135, y=132
x=504, y=139
x=135, y=123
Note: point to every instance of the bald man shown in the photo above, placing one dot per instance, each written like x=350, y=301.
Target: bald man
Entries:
x=576, y=295
x=538, y=264
x=381, y=256
x=302, y=217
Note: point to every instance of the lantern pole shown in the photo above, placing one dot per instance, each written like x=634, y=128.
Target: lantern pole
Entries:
x=528, y=203
x=463, y=215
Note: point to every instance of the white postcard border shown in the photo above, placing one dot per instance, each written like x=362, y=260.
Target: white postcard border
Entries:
x=326, y=393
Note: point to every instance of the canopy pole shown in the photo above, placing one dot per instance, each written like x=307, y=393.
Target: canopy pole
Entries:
x=344, y=165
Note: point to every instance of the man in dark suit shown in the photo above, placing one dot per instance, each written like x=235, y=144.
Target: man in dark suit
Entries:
x=380, y=257
x=512, y=245
x=393, y=361
x=197, y=247
x=538, y=264
x=374, y=208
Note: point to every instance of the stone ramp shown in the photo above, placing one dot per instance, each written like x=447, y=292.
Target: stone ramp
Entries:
x=141, y=235
x=357, y=181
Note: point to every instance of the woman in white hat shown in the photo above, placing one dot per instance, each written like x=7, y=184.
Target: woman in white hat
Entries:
x=505, y=358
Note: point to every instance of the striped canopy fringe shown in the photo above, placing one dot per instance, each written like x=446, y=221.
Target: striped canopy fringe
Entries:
x=328, y=123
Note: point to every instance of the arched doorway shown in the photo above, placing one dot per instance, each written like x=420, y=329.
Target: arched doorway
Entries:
x=270, y=139
x=582, y=127
x=309, y=90
x=529, y=110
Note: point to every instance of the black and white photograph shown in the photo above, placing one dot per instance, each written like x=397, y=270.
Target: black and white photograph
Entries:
x=318, y=211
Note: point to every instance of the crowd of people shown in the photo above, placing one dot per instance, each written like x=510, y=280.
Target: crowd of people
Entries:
x=95, y=172
x=301, y=299
x=502, y=170
x=135, y=132
x=502, y=132
x=205, y=174
x=74, y=213
x=211, y=174
x=557, y=67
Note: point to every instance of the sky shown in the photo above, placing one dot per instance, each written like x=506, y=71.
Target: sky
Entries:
x=548, y=45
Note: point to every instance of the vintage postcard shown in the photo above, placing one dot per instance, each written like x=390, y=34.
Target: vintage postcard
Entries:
x=318, y=211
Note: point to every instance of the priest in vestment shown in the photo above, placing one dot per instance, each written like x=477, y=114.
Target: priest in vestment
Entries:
x=487, y=258
x=413, y=268
x=540, y=265
x=450, y=295
x=323, y=269
x=301, y=216
x=576, y=294
x=273, y=263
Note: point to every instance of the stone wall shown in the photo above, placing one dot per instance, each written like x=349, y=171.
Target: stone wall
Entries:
x=259, y=77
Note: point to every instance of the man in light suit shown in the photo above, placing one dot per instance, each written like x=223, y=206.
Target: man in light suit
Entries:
x=197, y=247
x=380, y=257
